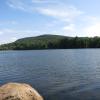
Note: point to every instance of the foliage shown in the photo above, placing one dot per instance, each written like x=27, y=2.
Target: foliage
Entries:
x=52, y=42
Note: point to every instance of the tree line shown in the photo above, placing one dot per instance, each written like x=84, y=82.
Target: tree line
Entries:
x=63, y=43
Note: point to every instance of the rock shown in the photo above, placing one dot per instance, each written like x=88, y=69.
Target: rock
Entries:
x=18, y=91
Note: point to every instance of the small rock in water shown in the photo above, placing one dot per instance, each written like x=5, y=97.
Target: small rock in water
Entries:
x=18, y=91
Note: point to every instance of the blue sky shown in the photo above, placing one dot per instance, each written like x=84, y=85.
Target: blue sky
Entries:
x=26, y=18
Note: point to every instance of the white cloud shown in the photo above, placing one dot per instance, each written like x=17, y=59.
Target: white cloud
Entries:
x=8, y=40
x=8, y=22
x=91, y=26
x=16, y=4
x=69, y=28
x=7, y=36
x=56, y=10
x=20, y=32
x=20, y=5
x=10, y=35
x=92, y=18
x=62, y=16
x=6, y=31
x=60, y=12
x=93, y=30
x=13, y=39
x=1, y=32
x=43, y=1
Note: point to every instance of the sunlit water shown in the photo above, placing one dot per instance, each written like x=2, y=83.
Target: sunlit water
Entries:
x=72, y=74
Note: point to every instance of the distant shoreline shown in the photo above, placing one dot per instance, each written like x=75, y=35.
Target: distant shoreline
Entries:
x=49, y=42
x=53, y=49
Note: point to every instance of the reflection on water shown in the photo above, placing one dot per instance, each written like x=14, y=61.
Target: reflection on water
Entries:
x=56, y=74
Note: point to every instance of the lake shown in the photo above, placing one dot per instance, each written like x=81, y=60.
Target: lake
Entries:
x=71, y=74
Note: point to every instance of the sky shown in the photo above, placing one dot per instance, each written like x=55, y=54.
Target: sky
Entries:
x=27, y=18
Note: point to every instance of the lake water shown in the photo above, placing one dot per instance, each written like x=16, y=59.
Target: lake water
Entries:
x=72, y=74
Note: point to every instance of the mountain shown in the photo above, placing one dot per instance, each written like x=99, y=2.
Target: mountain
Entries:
x=43, y=38
x=52, y=42
x=38, y=42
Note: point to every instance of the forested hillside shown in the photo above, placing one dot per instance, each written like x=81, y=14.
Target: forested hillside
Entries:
x=52, y=42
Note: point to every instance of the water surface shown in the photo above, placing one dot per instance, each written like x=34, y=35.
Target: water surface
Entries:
x=72, y=74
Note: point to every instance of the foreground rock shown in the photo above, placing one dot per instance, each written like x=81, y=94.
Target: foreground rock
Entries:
x=18, y=91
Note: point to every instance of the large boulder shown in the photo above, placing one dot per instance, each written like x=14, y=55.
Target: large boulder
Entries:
x=18, y=91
